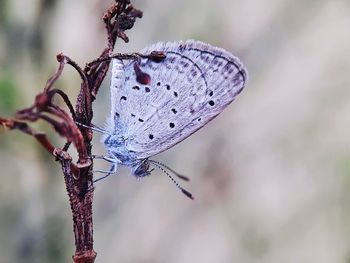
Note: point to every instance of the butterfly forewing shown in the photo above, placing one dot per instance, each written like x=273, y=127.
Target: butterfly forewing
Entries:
x=192, y=85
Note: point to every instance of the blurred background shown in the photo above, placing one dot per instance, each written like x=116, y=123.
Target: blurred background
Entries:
x=271, y=174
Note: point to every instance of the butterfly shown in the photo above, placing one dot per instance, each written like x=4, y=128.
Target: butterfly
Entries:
x=156, y=104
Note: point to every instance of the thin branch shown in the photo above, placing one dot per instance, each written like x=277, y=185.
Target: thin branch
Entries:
x=66, y=100
x=55, y=77
x=23, y=127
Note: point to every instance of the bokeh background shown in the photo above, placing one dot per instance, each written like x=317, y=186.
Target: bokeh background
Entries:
x=271, y=175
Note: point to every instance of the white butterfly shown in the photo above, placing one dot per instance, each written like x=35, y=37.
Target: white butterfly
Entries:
x=157, y=104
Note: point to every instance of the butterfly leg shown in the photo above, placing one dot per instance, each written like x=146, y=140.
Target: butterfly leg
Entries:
x=106, y=158
x=93, y=127
x=108, y=173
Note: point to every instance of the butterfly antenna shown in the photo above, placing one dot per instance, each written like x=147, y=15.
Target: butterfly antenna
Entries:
x=93, y=127
x=185, y=178
x=184, y=191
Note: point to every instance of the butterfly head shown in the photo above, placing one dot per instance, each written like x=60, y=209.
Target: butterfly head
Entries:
x=141, y=169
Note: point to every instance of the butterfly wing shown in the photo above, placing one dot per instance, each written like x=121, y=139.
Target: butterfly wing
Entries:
x=192, y=85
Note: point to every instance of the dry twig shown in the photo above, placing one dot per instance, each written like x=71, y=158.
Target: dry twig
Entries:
x=78, y=178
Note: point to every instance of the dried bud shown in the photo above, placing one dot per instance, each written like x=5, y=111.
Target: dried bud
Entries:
x=125, y=21
x=42, y=100
x=157, y=56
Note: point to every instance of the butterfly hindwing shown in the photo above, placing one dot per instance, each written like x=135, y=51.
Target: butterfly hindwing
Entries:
x=192, y=85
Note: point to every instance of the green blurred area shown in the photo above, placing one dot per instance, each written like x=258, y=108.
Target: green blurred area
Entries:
x=270, y=175
x=10, y=98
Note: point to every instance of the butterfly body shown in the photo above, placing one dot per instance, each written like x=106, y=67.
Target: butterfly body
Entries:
x=118, y=153
x=173, y=98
